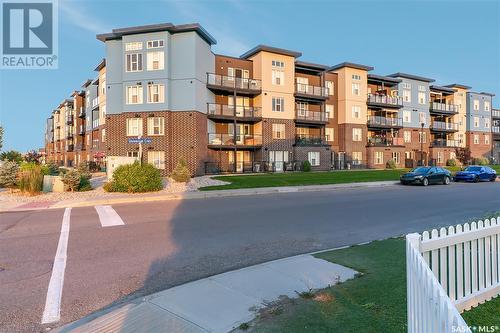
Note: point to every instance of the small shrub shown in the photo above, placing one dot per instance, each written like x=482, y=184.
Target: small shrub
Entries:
x=11, y=156
x=451, y=162
x=30, y=180
x=135, y=178
x=480, y=161
x=52, y=169
x=181, y=172
x=306, y=166
x=390, y=164
x=84, y=184
x=84, y=170
x=8, y=174
x=71, y=180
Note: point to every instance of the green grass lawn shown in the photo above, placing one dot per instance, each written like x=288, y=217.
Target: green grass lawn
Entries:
x=311, y=178
x=373, y=302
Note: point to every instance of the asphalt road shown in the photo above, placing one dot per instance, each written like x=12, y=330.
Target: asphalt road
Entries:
x=163, y=244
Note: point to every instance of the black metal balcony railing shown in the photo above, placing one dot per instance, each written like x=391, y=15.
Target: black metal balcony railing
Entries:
x=309, y=139
x=233, y=82
x=82, y=130
x=69, y=120
x=445, y=143
x=81, y=114
x=70, y=147
x=310, y=90
x=385, y=100
x=385, y=141
x=378, y=121
x=443, y=108
x=215, y=139
x=312, y=116
x=222, y=110
x=495, y=129
x=444, y=126
x=495, y=114
x=69, y=135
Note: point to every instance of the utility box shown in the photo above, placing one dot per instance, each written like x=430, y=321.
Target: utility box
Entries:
x=52, y=184
x=113, y=162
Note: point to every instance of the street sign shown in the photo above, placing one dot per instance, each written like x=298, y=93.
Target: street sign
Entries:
x=140, y=140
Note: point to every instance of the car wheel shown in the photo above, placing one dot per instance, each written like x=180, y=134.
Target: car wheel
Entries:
x=493, y=179
x=403, y=183
x=425, y=181
x=476, y=179
x=446, y=181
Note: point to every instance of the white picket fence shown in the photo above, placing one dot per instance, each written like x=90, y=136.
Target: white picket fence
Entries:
x=449, y=271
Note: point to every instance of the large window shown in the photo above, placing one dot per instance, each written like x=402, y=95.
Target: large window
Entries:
x=356, y=134
x=156, y=60
x=486, y=139
x=134, y=126
x=331, y=87
x=134, y=95
x=313, y=158
x=355, y=89
x=153, y=44
x=356, y=112
x=422, y=117
x=157, y=158
x=406, y=116
x=487, y=106
x=476, y=105
x=422, y=137
x=278, y=104
x=278, y=77
x=379, y=157
x=156, y=126
x=407, y=136
x=156, y=93
x=486, y=123
x=421, y=97
x=278, y=131
x=134, y=62
x=407, y=95
x=329, y=132
x=476, y=139
x=396, y=157
x=357, y=157
x=330, y=112
x=133, y=46
x=476, y=121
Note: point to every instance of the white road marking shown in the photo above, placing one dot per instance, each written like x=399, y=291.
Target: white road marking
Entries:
x=52, y=311
x=108, y=216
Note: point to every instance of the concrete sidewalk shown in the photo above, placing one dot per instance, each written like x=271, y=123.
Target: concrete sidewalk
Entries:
x=151, y=197
x=219, y=303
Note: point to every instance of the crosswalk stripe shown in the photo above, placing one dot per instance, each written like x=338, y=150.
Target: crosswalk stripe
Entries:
x=52, y=311
x=108, y=216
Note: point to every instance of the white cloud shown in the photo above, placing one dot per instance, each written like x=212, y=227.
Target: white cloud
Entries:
x=74, y=13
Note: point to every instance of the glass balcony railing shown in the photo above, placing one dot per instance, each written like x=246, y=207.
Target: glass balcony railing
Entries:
x=216, y=139
x=311, y=116
x=385, y=100
x=495, y=114
x=443, y=108
x=385, y=141
x=231, y=82
x=445, y=143
x=378, y=121
x=495, y=129
x=222, y=110
x=307, y=89
x=444, y=126
x=309, y=139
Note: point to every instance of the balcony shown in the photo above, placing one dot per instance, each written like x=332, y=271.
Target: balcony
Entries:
x=310, y=117
x=230, y=141
x=495, y=130
x=443, y=143
x=384, y=122
x=384, y=101
x=81, y=114
x=95, y=102
x=70, y=147
x=495, y=114
x=381, y=141
x=443, y=109
x=82, y=130
x=95, y=123
x=221, y=83
x=69, y=135
x=441, y=126
x=308, y=91
x=69, y=120
x=230, y=113
x=309, y=140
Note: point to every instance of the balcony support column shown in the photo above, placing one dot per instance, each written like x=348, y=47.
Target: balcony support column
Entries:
x=235, y=159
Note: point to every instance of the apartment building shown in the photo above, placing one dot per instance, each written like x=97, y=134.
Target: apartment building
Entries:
x=162, y=95
x=495, y=133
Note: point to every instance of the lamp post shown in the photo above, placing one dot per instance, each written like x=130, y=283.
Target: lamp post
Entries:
x=422, y=144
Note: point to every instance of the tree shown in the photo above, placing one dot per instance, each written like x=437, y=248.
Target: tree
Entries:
x=1, y=137
x=32, y=156
x=11, y=156
x=8, y=174
x=463, y=155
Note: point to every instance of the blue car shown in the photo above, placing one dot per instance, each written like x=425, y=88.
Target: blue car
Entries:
x=476, y=173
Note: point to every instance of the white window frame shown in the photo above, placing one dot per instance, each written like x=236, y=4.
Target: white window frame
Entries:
x=133, y=46
x=330, y=110
x=278, y=104
x=159, y=44
x=421, y=97
x=356, y=111
x=379, y=157
x=407, y=95
x=131, y=93
x=396, y=157
x=407, y=136
x=487, y=106
x=157, y=159
x=156, y=126
x=156, y=93
x=357, y=134
x=330, y=85
x=406, y=116
x=486, y=139
x=278, y=77
x=278, y=131
x=134, y=126
x=355, y=89
x=476, y=139
x=357, y=157
x=476, y=121
x=476, y=105
x=330, y=134
x=129, y=62
x=155, y=61
x=314, y=158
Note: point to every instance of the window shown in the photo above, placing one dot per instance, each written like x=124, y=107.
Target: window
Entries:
x=329, y=132
x=476, y=139
x=357, y=157
x=356, y=111
x=355, y=89
x=103, y=135
x=487, y=106
x=476, y=105
x=486, y=123
x=406, y=85
x=153, y=44
x=156, y=125
x=278, y=63
x=486, y=139
x=356, y=77
x=379, y=157
x=134, y=126
x=330, y=111
x=476, y=121
x=313, y=157
x=134, y=95
x=278, y=131
x=407, y=95
x=407, y=136
x=396, y=157
x=331, y=87
x=422, y=118
x=422, y=138
x=453, y=155
x=156, y=60
x=132, y=154
x=157, y=158
x=440, y=157
x=134, y=62
x=421, y=97
x=356, y=134
x=156, y=93
x=278, y=104
x=278, y=77
x=133, y=46
x=407, y=116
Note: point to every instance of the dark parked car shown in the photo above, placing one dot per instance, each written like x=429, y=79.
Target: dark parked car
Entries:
x=476, y=173
x=427, y=175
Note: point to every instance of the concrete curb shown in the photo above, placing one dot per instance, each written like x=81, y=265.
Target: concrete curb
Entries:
x=211, y=194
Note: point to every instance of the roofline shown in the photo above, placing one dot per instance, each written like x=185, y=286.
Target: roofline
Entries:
x=481, y=93
x=101, y=65
x=120, y=32
x=383, y=78
x=86, y=83
x=350, y=65
x=310, y=65
x=487, y=93
x=412, y=77
x=458, y=85
x=442, y=89
x=271, y=49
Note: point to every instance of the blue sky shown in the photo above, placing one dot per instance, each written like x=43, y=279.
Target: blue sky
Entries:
x=450, y=41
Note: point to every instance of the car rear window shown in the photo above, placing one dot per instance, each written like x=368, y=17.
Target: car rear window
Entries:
x=473, y=169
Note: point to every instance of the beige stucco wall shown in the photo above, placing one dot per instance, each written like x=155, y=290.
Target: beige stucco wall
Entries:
x=460, y=99
x=347, y=100
x=102, y=97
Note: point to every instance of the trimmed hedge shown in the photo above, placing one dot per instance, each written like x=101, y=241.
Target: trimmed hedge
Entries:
x=135, y=178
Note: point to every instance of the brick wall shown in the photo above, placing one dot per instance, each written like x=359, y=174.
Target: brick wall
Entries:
x=479, y=150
